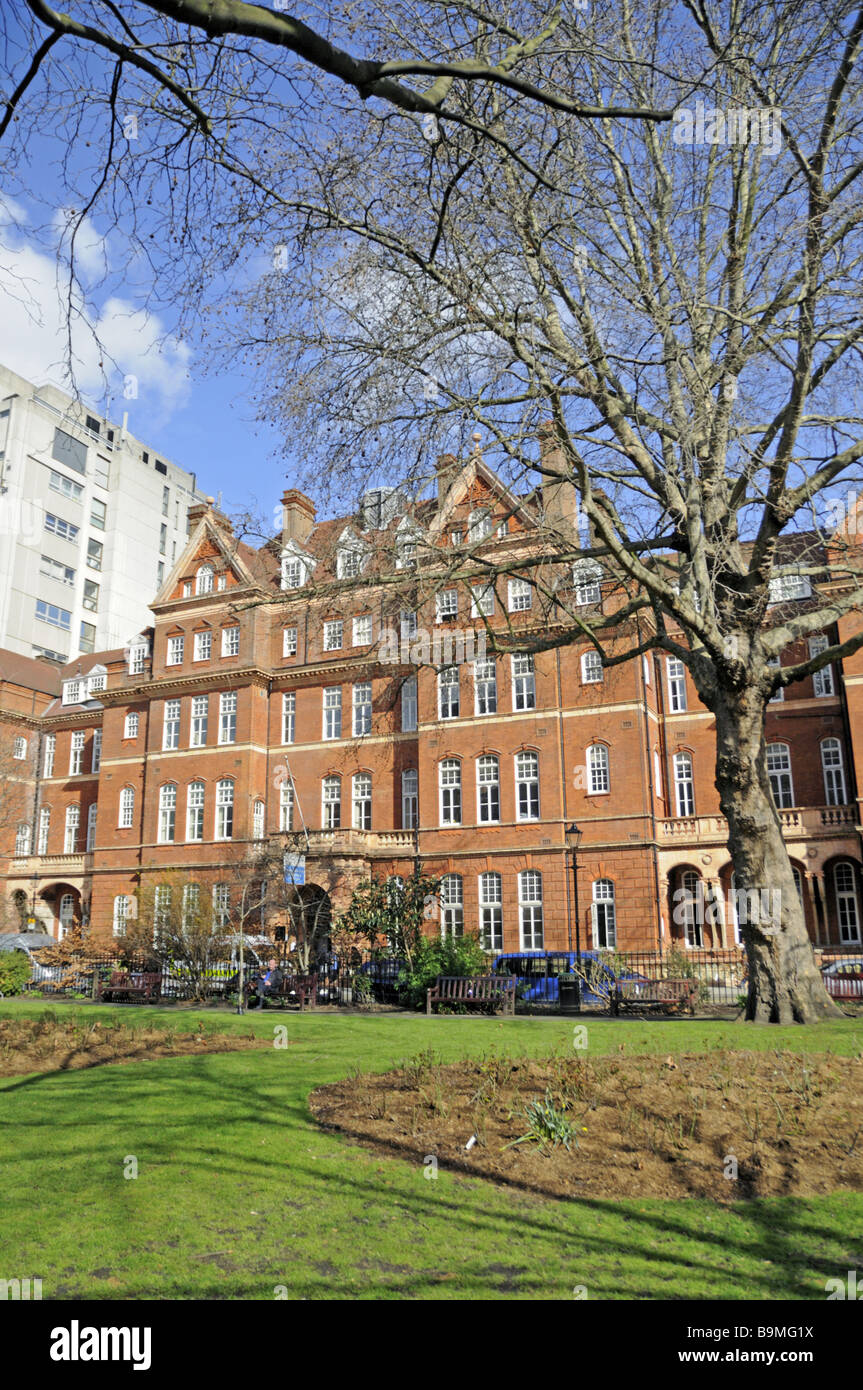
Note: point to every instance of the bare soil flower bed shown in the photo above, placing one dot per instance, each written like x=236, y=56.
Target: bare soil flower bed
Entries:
x=49, y=1043
x=787, y=1123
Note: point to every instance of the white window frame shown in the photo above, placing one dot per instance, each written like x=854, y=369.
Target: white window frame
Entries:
x=228, y=717
x=833, y=773
x=452, y=906
x=409, y=705
x=675, y=673
x=361, y=801
x=196, y=795
x=289, y=716
x=598, y=770
x=332, y=712
x=224, y=822
x=410, y=799
x=519, y=596
x=231, y=640
x=331, y=802
x=334, y=632
x=362, y=630
x=167, y=831
x=531, y=922
x=591, y=668
x=779, y=774
x=171, y=725
x=488, y=789
x=490, y=898
x=603, y=914
x=485, y=686
x=684, y=785
x=446, y=605
x=199, y=721
x=823, y=684
x=289, y=641
x=848, y=921
x=361, y=703
x=527, y=785
x=126, y=811
x=449, y=788
x=131, y=724
x=523, y=681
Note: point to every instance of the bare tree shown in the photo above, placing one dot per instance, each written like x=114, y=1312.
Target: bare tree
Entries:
x=680, y=299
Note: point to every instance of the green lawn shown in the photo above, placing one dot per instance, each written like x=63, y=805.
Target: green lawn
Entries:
x=238, y=1192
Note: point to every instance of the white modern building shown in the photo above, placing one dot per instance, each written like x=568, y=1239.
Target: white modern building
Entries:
x=91, y=520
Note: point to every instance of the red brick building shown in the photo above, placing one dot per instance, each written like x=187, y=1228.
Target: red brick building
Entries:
x=307, y=686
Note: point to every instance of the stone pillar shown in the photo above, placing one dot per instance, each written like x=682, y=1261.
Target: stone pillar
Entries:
x=715, y=912
x=816, y=899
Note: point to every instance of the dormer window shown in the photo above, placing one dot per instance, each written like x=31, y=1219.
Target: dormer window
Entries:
x=407, y=556
x=480, y=524
x=349, y=563
x=137, y=659
x=292, y=574
x=97, y=680
x=204, y=580
x=789, y=586
x=72, y=692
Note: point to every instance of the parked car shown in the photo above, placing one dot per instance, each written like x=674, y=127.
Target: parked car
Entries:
x=843, y=979
x=538, y=974
x=383, y=975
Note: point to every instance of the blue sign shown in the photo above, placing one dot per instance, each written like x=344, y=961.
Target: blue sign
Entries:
x=295, y=869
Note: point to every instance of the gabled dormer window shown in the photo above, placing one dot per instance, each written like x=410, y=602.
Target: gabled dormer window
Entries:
x=97, y=680
x=72, y=692
x=480, y=524
x=138, y=652
x=204, y=580
x=349, y=563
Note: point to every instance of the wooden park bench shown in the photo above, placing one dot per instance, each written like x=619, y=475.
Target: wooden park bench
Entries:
x=129, y=987
x=655, y=994
x=294, y=990
x=487, y=992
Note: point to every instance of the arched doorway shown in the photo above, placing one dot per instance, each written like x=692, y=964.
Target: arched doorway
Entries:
x=307, y=929
x=63, y=904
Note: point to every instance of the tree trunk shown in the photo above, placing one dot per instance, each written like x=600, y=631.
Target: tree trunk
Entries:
x=784, y=984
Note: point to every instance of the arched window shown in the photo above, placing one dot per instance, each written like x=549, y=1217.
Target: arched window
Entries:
x=410, y=799
x=167, y=813
x=22, y=839
x=586, y=576
x=204, y=580
x=452, y=905
x=684, y=785
x=127, y=808
x=530, y=909
x=362, y=801
x=73, y=821
x=598, y=778
x=258, y=819
x=488, y=789
x=449, y=774
x=847, y=907
x=225, y=809
x=332, y=803
x=66, y=915
x=604, y=917
x=121, y=914
x=693, y=899
x=479, y=524
x=833, y=766
x=91, y=826
x=491, y=912
x=779, y=772
x=195, y=811
x=527, y=786
x=591, y=668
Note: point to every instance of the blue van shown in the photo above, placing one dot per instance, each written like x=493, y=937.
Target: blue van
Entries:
x=538, y=973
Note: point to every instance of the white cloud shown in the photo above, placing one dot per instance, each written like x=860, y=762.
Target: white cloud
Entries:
x=113, y=343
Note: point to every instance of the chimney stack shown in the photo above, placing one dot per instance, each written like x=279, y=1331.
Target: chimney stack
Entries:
x=447, y=469
x=559, y=498
x=298, y=516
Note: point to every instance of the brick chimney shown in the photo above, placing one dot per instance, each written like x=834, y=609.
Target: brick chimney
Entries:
x=559, y=499
x=298, y=516
x=447, y=469
x=207, y=508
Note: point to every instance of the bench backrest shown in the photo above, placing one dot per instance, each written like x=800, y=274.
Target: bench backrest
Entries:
x=473, y=986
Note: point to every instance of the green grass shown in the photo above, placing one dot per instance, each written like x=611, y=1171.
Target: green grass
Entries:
x=238, y=1192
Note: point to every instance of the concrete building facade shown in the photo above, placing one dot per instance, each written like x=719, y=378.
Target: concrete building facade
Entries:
x=91, y=520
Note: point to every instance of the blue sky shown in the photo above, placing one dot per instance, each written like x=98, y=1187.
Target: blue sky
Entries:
x=203, y=423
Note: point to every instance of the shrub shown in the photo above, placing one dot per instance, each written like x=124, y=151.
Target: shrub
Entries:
x=14, y=971
x=460, y=955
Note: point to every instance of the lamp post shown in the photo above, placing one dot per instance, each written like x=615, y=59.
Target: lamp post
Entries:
x=573, y=840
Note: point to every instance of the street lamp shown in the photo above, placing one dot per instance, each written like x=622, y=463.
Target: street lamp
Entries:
x=573, y=840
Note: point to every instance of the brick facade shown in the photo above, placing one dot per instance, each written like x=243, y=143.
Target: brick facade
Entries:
x=204, y=708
